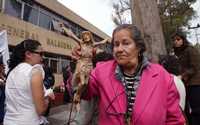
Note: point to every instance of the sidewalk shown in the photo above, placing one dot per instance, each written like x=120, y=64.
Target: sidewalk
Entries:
x=59, y=115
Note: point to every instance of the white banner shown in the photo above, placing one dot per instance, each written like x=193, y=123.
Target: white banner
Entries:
x=4, y=48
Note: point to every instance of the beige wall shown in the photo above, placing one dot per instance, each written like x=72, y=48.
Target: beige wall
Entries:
x=19, y=30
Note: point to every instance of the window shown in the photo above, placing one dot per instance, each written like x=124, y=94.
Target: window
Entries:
x=44, y=20
x=12, y=7
x=1, y=5
x=96, y=38
x=79, y=31
x=56, y=62
x=30, y=14
x=54, y=65
x=74, y=28
x=64, y=63
x=56, y=27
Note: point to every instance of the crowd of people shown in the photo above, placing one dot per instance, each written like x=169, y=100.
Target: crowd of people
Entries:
x=123, y=88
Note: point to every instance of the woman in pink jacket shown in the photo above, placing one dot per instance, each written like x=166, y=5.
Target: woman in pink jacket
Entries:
x=131, y=90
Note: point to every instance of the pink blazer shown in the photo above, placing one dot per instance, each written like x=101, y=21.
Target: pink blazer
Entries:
x=157, y=99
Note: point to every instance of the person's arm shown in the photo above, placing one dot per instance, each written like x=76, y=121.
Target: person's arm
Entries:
x=97, y=48
x=37, y=88
x=101, y=42
x=174, y=113
x=71, y=34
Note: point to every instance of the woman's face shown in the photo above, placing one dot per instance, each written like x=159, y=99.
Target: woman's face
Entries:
x=124, y=48
x=36, y=55
x=178, y=41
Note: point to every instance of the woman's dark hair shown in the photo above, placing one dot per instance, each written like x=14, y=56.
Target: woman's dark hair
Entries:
x=18, y=54
x=170, y=63
x=135, y=35
x=182, y=36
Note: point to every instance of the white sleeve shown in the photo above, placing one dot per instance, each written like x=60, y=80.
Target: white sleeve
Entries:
x=37, y=69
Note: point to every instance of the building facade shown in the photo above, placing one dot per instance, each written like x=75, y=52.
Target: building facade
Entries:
x=34, y=19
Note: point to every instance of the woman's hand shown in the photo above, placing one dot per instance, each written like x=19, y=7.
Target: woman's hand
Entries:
x=50, y=94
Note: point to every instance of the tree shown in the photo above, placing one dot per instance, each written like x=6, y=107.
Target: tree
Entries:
x=174, y=15
x=121, y=10
x=146, y=17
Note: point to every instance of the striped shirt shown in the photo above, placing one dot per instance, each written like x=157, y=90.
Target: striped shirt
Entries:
x=131, y=85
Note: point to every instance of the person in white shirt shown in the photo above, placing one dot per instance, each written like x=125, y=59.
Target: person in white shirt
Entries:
x=25, y=99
